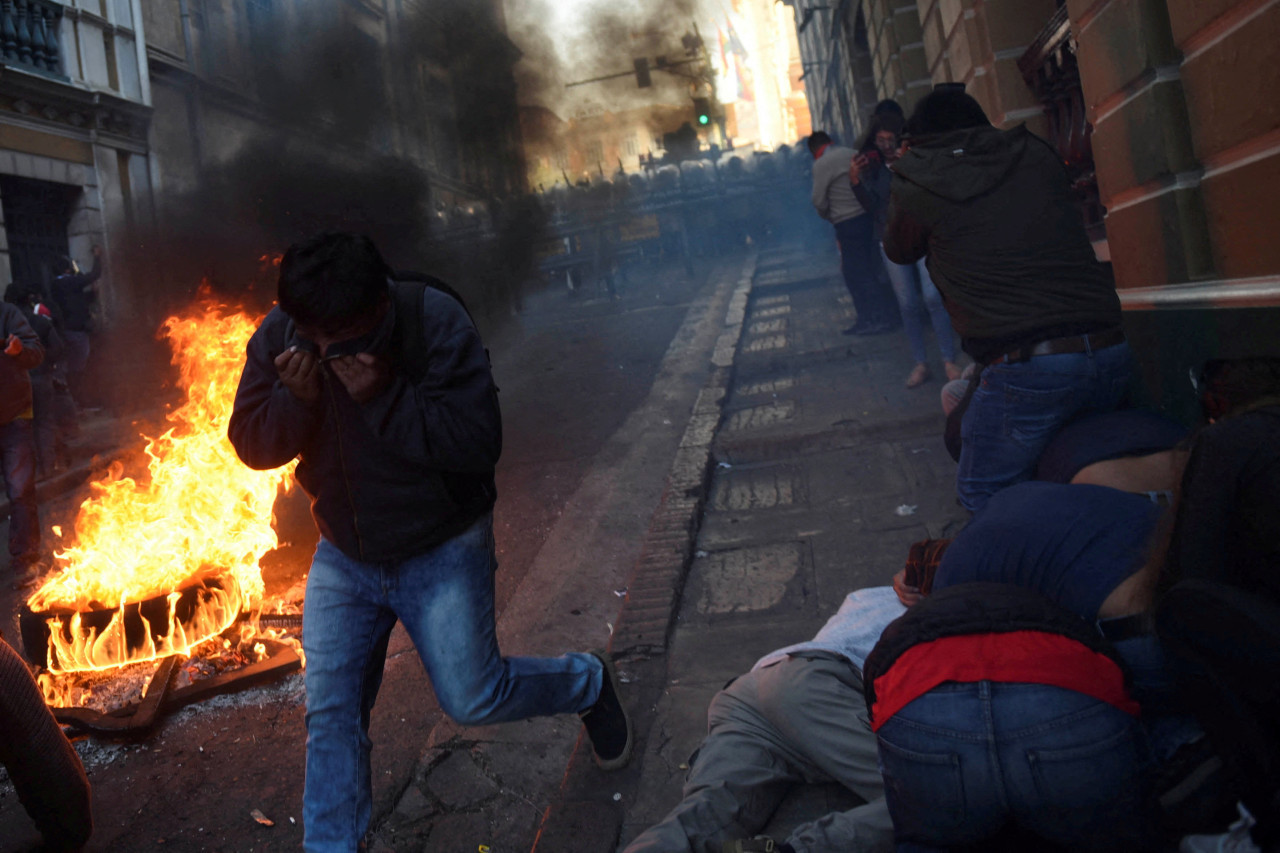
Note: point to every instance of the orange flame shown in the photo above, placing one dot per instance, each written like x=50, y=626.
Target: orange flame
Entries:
x=200, y=514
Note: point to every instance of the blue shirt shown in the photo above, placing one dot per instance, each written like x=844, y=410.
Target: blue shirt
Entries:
x=1074, y=544
x=1106, y=435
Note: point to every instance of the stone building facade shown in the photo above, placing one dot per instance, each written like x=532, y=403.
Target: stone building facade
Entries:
x=75, y=113
x=1166, y=112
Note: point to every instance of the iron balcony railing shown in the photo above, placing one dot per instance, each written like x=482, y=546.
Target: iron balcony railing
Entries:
x=29, y=35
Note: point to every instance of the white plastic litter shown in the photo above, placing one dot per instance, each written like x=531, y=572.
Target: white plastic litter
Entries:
x=906, y=509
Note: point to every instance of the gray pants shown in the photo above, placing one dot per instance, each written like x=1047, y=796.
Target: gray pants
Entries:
x=801, y=720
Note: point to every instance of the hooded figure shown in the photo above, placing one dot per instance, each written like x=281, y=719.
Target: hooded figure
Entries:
x=991, y=211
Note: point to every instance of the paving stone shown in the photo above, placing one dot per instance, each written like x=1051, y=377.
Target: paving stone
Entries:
x=459, y=783
x=748, y=579
x=414, y=805
x=765, y=327
x=772, y=386
x=760, y=416
x=759, y=488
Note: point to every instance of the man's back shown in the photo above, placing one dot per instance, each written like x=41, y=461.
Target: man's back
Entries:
x=1005, y=241
x=1072, y=543
x=833, y=196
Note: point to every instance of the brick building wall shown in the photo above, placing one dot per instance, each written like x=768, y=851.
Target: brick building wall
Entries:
x=1182, y=95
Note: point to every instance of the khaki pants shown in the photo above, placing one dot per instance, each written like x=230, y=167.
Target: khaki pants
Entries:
x=800, y=720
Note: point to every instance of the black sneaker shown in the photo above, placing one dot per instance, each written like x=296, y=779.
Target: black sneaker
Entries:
x=607, y=723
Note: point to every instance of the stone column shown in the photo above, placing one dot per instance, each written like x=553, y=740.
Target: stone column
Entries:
x=897, y=51
x=1148, y=174
x=978, y=43
x=1231, y=83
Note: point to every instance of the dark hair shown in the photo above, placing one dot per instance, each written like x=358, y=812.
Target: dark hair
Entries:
x=19, y=293
x=331, y=279
x=889, y=121
x=817, y=139
x=944, y=110
x=888, y=107
x=1231, y=385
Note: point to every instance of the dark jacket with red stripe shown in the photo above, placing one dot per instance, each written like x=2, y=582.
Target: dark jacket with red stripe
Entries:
x=978, y=608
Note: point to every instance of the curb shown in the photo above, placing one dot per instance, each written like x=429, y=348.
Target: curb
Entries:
x=644, y=621
x=573, y=821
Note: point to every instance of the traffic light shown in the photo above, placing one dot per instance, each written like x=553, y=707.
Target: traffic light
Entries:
x=702, y=109
x=643, y=80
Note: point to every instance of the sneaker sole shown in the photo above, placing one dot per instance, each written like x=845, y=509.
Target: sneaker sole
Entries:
x=621, y=761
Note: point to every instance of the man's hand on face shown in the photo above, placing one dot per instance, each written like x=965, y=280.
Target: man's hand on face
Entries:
x=300, y=372
x=364, y=375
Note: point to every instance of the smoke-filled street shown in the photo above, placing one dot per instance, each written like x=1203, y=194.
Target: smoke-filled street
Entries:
x=595, y=395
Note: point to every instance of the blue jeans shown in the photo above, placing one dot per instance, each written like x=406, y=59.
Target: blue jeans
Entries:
x=18, y=455
x=964, y=760
x=445, y=600
x=914, y=301
x=860, y=265
x=1019, y=407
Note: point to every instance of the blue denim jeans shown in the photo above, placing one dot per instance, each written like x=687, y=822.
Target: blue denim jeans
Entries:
x=18, y=458
x=860, y=265
x=1018, y=408
x=445, y=600
x=964, y=760
x=917, y=295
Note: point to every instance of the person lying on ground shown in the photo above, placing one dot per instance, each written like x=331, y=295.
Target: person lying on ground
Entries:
x=992, y=213
x=787, y=721
x=794, y=718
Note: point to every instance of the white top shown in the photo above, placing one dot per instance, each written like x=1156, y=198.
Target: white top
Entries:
x=854, y=629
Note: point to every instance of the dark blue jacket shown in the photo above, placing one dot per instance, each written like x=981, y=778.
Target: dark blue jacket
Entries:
x=75, y=295
x=400, y=474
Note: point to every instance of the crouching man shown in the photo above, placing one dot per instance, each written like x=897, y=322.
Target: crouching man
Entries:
x=383, y=392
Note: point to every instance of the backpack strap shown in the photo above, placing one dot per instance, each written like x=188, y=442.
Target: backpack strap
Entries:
x=409, y=334
x=407, y=289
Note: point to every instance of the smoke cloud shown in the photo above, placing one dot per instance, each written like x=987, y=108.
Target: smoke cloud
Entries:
x=346, y=130
x=565, y=43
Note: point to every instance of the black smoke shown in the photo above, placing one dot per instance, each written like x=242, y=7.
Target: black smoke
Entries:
x=348, y=132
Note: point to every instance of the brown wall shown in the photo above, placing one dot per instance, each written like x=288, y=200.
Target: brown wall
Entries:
x=1183, y=97
x=978, y=42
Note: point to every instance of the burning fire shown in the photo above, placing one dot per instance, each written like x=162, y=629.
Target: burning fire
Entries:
x=183, y=542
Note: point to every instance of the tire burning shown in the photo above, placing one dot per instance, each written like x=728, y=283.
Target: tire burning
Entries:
x=159, y=564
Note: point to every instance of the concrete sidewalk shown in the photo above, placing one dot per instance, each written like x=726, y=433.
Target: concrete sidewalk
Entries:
x=823, y=468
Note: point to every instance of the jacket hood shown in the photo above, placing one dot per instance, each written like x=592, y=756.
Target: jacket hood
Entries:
x=963, y=164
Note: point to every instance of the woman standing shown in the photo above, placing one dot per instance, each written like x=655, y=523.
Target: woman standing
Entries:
x=870, y=176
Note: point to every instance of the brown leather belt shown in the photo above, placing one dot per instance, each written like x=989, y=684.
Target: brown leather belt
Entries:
x=1059, y=346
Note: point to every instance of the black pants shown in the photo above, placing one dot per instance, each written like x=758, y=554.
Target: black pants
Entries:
x=1225, y=644
x=863, y=271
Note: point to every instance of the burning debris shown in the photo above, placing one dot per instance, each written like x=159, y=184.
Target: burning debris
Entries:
x=160, y=581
